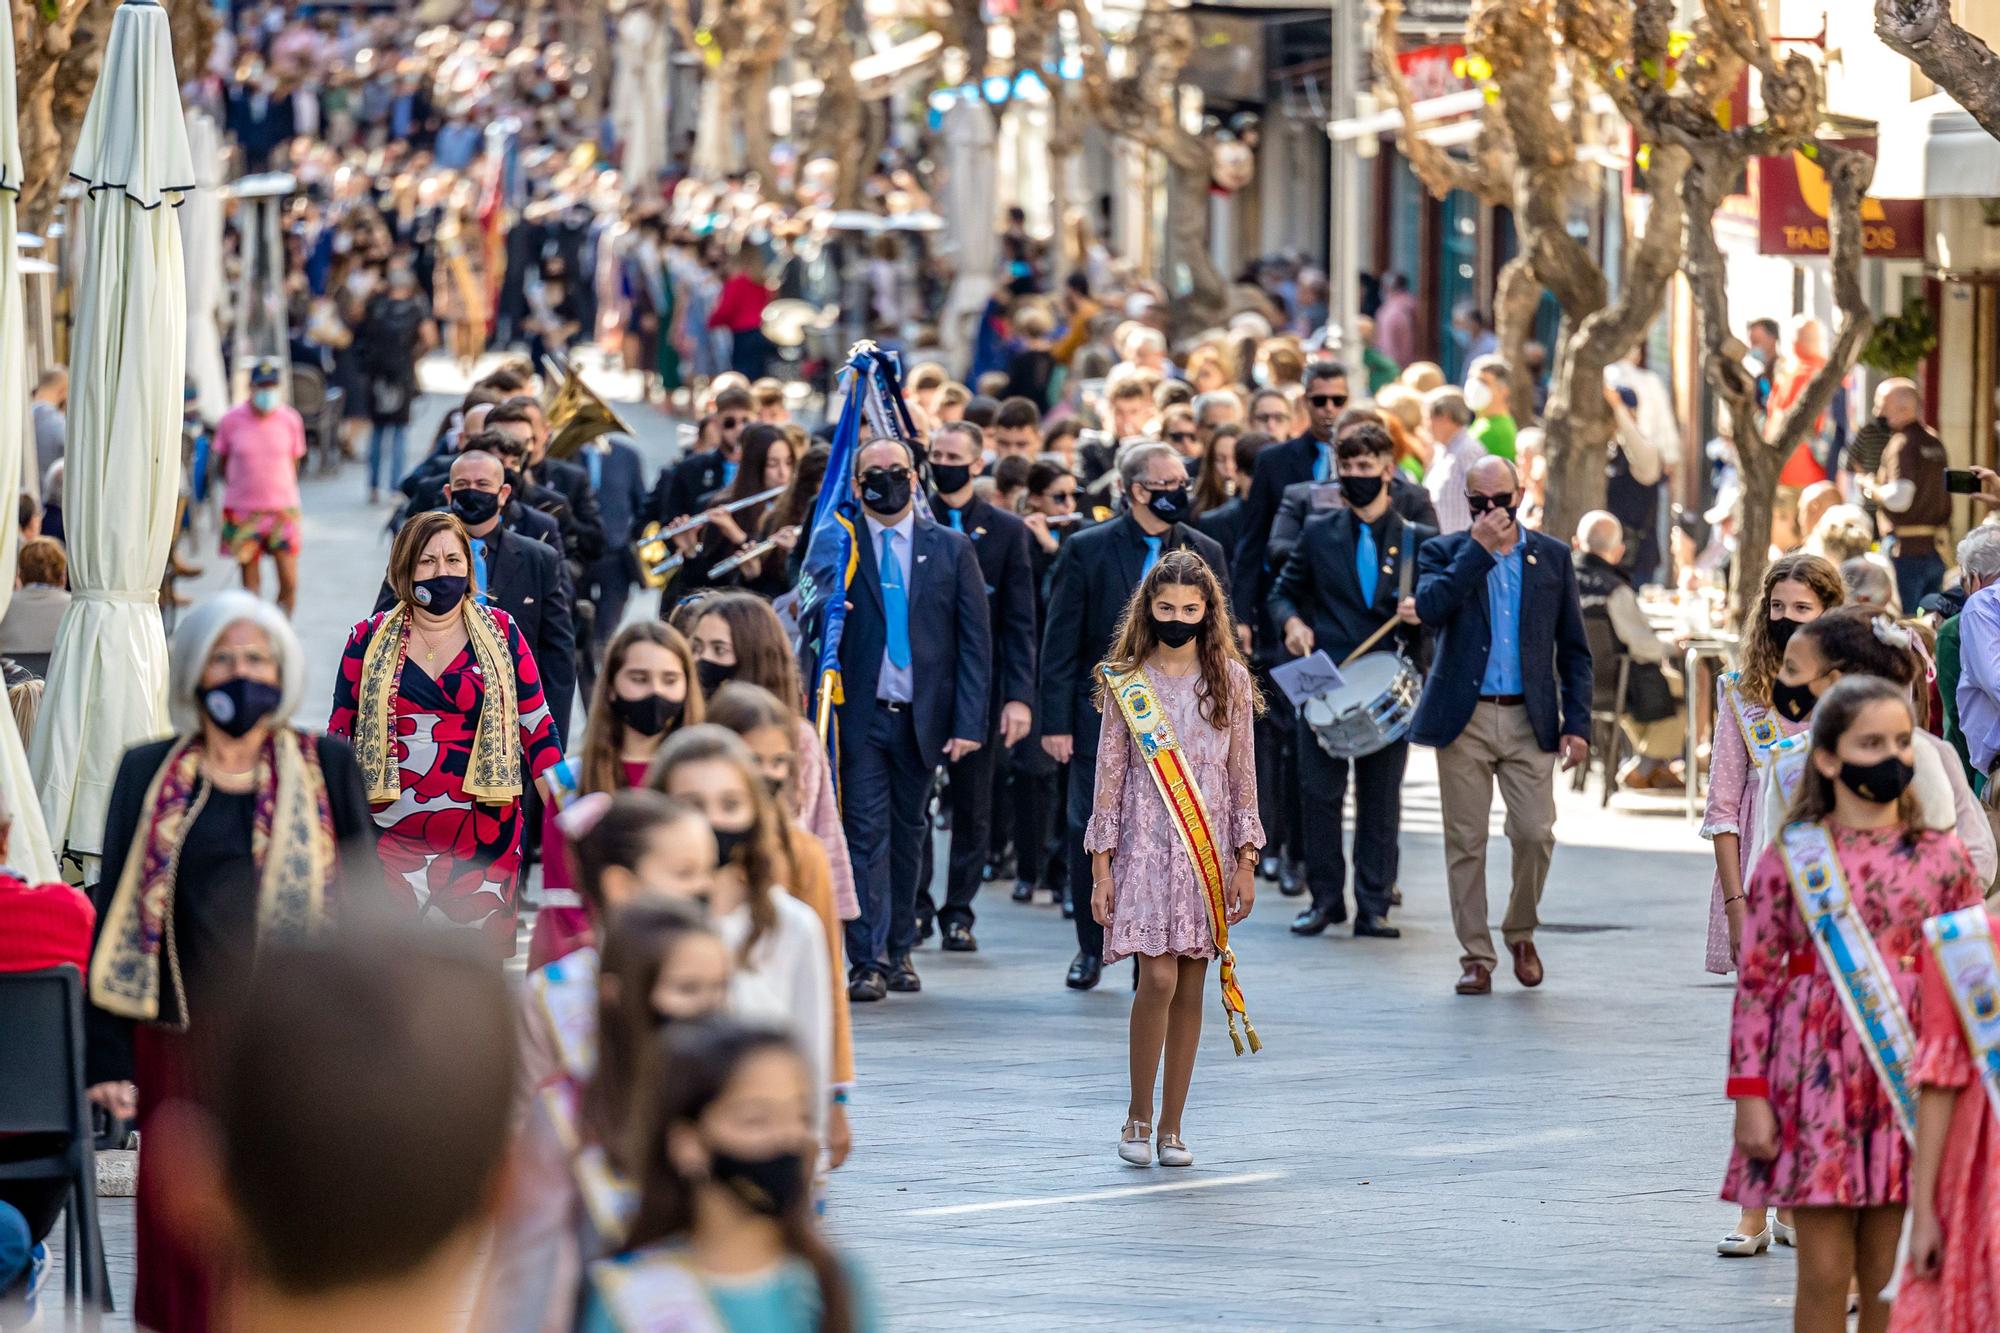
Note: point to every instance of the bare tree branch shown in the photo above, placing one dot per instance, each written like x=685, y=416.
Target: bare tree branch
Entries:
x=1951, y=57
x=1486, y=176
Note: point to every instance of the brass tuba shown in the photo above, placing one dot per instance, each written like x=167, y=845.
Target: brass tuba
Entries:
x=576, y=414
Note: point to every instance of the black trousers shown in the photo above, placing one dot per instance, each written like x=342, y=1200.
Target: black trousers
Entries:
x=969, y=791
x=1040, y=856
x=1082, y=792
x=884, y=783
x=1276, y=734
x=1378, y=817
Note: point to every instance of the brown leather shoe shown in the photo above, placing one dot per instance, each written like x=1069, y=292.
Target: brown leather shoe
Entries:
x=1478, y=980
x=1527, y=963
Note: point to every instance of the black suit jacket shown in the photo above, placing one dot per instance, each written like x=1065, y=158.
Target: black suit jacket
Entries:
x=951, y=649
x=680, y=488
x=621, y=494
x=1321, y=581
x=1095, y=575
x=1279, y=466
x=1001, y=540
x=1555, y=654
x=571, y=482
x=526, y=579
x=1295, y=510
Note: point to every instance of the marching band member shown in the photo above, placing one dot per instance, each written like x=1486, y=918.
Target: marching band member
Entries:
x=1822, y=1057
x=1090, y=588
x=1173, y=859
x=1350, y=572
x=1001, y=542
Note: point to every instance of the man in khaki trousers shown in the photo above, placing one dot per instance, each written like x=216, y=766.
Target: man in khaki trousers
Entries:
x=1509, y=688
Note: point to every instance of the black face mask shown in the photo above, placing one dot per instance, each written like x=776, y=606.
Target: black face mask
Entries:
x=771, y=1186
x=1175, y=633
x=1793, y=702
x=727, y=843
x=1360, y=492
x=951, y=477
x=239, y=704
x=475, y=507
x=1782, y=631
x=885, y=490
x=1881, y=782
x=776, y=786
x=1172, y=506
x=649, y=714
x=712, y=675
x=440, y=596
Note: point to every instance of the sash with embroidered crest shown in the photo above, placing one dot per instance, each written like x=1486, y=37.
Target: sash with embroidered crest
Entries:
x=1847, y=951
x=1161, y=753
x=654, y=1291
x=566, y=994
x=1758, y=735
x=1962, y=945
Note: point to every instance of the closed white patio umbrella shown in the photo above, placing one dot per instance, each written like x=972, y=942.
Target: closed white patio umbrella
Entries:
x=201, y=240
x=107, y=676
x=28, y=844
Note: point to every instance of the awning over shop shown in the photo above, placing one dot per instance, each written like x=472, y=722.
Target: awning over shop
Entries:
x=1934, y=149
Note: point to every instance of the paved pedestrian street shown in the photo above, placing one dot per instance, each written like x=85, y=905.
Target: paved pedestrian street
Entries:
x=1397, y=1156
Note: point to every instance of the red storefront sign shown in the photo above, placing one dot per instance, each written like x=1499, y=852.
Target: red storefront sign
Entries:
x=1432, y=71
x=1793, y=198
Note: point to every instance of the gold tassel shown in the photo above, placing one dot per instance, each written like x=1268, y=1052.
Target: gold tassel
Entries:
x=1235, y=1037
x=1255, y=1045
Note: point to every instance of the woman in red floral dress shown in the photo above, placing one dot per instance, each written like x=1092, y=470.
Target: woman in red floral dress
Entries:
x=443, y=704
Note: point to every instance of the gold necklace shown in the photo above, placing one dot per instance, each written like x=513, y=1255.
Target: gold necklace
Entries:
x=430, y=648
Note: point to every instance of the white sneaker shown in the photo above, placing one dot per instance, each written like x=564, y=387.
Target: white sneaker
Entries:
x=1784, y=1235
x=1134, y=1143
x=1736, y=1245
x=1173, y=1152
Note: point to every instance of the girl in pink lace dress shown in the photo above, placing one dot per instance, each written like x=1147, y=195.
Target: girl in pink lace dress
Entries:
x=1953, y=1285
x=1815, y=1128
x=1144, y=890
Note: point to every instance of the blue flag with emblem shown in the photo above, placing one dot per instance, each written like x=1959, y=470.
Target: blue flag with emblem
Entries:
x=872, y=383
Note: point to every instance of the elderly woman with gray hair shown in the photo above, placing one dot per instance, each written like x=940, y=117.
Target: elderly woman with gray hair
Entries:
x=237, y=829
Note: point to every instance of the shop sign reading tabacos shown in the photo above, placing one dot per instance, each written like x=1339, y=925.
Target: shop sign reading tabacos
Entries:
x=1793, y=199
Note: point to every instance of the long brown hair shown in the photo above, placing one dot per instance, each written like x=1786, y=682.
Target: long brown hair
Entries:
x=1832, y=716
x=692, y=1067
x=1761, y=657
x=1135, y=641
x=763, y=653
x=758, y=440
x=744, y=708
x=603, y=733
x=764, y=847
x=637, y=940
x=796, y=504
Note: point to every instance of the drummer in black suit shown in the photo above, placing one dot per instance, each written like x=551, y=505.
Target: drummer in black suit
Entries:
x=1350, y=573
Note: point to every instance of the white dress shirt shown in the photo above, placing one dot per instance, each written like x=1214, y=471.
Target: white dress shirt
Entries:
x=893, y=682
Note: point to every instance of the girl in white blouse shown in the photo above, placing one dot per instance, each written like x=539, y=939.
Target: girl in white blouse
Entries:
x=781, y=977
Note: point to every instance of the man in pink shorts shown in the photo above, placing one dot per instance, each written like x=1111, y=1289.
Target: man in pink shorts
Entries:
x=257, y=448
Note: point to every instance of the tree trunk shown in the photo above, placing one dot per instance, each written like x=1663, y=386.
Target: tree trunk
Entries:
x=751, y=97
x=1956, y=60
x=1204, y=301
x=1518, y=294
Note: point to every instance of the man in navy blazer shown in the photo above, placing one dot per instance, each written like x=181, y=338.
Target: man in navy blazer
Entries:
x=1307, y=458
x=1509, y=687
x=916, y=664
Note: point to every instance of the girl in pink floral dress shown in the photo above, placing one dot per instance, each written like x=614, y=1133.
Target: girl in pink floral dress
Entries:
x=1816, y=1131
x=1953, y=1283
x=1144, y=890
x=1796, y=589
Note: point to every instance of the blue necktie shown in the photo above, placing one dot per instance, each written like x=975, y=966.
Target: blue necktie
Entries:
x=895, y=603
x=1323, y=463
x=1152, y=556
x=593, y=463
x=956, y=519
x=479, y=570
x=1364, y=562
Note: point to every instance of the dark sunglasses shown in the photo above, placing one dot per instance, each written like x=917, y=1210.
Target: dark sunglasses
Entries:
x=1061, y=497
x=897, y=473
x=1479, y=504
x=1327, y=399
x=731, y=423
x=1182, y=437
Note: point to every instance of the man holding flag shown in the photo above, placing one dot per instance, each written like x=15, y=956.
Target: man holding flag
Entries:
x=901, y=662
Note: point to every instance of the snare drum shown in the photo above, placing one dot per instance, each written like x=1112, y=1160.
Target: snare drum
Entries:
x=1372, y=708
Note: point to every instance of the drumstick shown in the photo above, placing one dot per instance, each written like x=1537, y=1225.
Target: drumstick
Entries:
x=1370, y=641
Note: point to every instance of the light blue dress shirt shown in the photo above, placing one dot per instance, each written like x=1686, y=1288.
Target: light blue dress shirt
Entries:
x=893, y=682
x=1979, y=677
x=479, y=579
x=1503, y=610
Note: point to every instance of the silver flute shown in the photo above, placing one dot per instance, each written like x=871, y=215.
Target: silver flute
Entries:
x=700, y=520
x=754, y=551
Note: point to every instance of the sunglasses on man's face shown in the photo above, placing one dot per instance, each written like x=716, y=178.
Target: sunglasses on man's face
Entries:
x=1181, y=437
x=1327, y=399
x=732, y=423
x=1479, y=504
